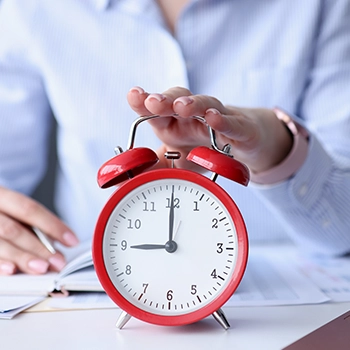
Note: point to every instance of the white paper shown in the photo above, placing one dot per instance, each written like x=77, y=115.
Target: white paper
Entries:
x=82, y=300
x=330, y=275
x=10, y=306
x=273, y=279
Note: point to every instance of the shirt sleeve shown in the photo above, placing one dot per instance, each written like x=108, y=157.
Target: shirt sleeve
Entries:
x=25, y=115
x=314, y=204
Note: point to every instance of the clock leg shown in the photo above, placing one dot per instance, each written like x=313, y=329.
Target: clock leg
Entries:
x=123, y=319
x=221, y=318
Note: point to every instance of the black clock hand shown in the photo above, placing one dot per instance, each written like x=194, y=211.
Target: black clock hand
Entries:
x=171, y=216
x=171, y=245
x=148, y=246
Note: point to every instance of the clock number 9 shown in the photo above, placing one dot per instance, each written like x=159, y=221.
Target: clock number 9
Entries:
x=124, y=244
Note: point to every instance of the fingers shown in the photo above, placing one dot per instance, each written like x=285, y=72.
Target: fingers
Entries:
x=144, y=103
x=32, y=213
x=234, y=126
x=136, y=98
x=164, y=104
x=12, y=258
x=176, y=100
x=256, y=136
x=7, y=267
x=230, y=123
x=20, y=249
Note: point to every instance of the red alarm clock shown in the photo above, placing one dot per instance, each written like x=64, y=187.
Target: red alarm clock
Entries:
x=170, y=245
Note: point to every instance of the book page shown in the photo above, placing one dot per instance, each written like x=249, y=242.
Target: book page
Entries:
x=13, y=305
x=24, y=284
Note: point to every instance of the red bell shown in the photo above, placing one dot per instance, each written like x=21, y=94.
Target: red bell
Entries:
x=220, y=164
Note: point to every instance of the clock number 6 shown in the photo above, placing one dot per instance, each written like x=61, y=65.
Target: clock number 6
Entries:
x=169, y=295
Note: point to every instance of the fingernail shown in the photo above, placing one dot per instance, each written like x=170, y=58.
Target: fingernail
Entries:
x=137, y=89
x=70, y=239
x=212, y=110
x=185, y=100
x=158, y=97
x=57, y=261
x=38, y=265
x=7, y=268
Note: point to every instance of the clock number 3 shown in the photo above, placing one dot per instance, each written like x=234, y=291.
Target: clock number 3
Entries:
x=220, y=249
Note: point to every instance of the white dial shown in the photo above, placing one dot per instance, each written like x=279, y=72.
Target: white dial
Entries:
x=170, y=246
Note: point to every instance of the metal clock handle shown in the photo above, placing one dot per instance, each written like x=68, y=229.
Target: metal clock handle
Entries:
x=226, y=149
x=138, y=121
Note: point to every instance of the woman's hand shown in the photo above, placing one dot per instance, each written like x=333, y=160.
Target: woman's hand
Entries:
x=256, y=136
x=20, y=249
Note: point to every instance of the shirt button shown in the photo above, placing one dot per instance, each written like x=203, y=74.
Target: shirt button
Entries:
x=303, y=190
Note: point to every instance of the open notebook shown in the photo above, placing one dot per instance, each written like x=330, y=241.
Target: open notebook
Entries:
x=20, y=291
x=78, y=275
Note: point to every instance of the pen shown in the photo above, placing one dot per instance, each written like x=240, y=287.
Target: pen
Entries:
x=44, y=240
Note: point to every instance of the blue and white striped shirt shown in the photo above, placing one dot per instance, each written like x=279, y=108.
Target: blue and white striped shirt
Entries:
x=77, y=59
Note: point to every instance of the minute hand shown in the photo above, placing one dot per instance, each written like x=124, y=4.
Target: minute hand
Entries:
x=171, y=216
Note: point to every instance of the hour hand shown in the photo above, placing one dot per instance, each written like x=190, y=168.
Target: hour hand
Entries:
x=148, y=246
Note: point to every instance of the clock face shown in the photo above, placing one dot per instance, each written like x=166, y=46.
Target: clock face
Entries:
x=172, y=244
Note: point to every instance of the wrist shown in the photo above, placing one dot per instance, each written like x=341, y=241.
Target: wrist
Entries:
x=294, y=159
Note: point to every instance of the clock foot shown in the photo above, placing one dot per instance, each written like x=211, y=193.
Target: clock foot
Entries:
x=123, y=319
x=221, y=318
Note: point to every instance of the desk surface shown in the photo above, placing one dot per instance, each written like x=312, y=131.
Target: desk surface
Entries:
x=251, y=328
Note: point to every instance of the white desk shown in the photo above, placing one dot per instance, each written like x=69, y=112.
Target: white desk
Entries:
x=252, y=328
